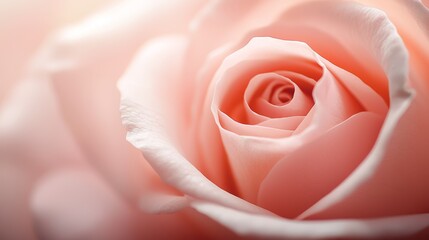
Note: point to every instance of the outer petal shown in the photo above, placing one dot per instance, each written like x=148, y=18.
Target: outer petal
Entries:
x=248, y=224
x=32, y=142
x=75, y=204
x=85, y=61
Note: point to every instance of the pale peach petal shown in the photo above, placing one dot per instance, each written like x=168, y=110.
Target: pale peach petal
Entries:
x=247, y=224
x=367, y=97
x=256, y=130
x=261, y=97
x=205, y=133
x=283, y=123
x=396, y=170
x=309, y=173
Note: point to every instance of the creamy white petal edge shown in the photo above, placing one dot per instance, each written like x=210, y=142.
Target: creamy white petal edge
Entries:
x=275, y=227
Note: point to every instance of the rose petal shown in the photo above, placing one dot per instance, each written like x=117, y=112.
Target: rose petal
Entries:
x=260, y=106
x=258, y=130
x=32, y=142
x=75, y=204
x=248, y=224
x=85, y=61
x=309, y=173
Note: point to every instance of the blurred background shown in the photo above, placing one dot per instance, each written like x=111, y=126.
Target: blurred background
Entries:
x=25, y=24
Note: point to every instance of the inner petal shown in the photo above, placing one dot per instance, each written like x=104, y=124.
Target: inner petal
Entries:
x=277, y=95
x=282, y=95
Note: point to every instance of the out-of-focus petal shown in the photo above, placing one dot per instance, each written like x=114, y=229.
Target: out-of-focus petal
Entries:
x=75, y=204
x=33, y=141
x=25, y=24
x=85, y=61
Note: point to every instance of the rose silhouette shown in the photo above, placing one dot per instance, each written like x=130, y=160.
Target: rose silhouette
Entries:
x=297, y=120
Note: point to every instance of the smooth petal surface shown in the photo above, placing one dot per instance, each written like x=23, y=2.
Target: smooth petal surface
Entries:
x=309, y=173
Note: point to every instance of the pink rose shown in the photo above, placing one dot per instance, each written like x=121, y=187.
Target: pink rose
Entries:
x=271, y=119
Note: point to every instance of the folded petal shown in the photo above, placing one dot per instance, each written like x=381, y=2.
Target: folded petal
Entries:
x=312, y=171
x=247, y=224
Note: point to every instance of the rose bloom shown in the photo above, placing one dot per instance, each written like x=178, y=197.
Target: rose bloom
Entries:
x=217, y=120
